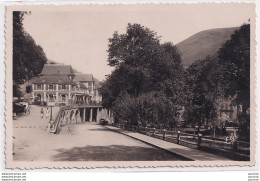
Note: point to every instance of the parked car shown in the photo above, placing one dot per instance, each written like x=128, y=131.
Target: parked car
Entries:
x=18, y=107
x=103, y=122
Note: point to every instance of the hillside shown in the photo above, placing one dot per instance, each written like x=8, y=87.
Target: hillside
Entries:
x=203, y=43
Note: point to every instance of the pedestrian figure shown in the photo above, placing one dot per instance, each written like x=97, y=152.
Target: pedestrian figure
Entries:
x=77, y=115
x=232, y=137
x=63, y=118
x=28, y=109
x=67, y=117
x=47, y=112
x=71, y=117
x=227, y=139
x=235, y=134
x=42, y=112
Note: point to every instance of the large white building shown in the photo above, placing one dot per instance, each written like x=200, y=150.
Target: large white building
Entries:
x=58, y=83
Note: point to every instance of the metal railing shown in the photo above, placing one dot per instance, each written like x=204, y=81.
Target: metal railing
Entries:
x=239, y=148
x=83, y=103
x=54, y=125
x=58, y=122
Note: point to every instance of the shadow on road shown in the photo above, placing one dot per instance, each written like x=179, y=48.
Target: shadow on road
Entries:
x=113, y=153
x=101, y=129
x=107, y=130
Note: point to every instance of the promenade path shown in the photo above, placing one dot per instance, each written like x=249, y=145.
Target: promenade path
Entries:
x=186, y=152
x=34, y=120
x=30, y=133
x=77, y=142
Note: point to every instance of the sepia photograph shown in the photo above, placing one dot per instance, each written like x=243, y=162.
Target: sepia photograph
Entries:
x=130, y=85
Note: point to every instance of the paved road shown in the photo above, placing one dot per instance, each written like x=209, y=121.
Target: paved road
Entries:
x=34, y=118
x=81, y=142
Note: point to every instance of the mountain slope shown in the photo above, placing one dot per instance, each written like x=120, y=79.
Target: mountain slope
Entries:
x=203, y=43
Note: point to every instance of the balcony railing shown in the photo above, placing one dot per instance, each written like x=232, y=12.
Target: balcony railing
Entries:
x=83, y=103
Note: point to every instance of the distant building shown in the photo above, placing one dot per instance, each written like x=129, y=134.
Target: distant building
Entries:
x=227, y=112
x=90, y=85
x=86, y=80
x=97, y=97
x=58, y=83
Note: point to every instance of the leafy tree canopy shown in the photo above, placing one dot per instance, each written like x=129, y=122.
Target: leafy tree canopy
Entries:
x=28, y=58
x=143, y=66
x=223, y=76
x=234, y=63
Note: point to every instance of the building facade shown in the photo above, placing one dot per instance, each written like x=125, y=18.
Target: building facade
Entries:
x=227, y=111
x=58, y=83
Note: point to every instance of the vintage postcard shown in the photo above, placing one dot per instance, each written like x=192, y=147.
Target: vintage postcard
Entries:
x=130, y=85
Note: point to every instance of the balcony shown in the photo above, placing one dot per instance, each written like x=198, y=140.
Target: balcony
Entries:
x=83, y=103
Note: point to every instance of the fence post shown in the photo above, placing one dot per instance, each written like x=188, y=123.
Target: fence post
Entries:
x=178, y=137
x=138, y=129
x=199, y=139
x=146, y=130
x=164, y=134
x=234, y=146
x=153, y=132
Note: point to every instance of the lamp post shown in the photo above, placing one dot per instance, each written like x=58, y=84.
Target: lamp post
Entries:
x=51, y=122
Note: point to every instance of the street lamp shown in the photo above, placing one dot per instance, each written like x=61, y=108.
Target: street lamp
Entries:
x=51, y=122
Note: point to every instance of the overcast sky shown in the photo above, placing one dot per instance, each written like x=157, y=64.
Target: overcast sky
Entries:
x=80, y=37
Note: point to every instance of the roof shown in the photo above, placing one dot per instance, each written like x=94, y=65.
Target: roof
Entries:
x=57, y=69
x=53, y=79
x=83, y=77
x=81, y=85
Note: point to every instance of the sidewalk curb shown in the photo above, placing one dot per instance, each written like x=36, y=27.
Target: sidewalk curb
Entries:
x=184, y=158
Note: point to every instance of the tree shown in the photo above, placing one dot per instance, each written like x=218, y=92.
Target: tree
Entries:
x=28, y=88
x=234, y=63
x=234, y=60
x=16, y=91
x=203, y=91
x=224, y=76
x=147, y=83
x=28, y=58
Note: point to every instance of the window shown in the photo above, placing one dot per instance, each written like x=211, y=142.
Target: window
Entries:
x=39, y=87
x=226, y=107
x=231, y=115
x=63, y=86
x=51, y=97
x=39, y=97
x=63, y=97
x=231, y=107
x=51, y=87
